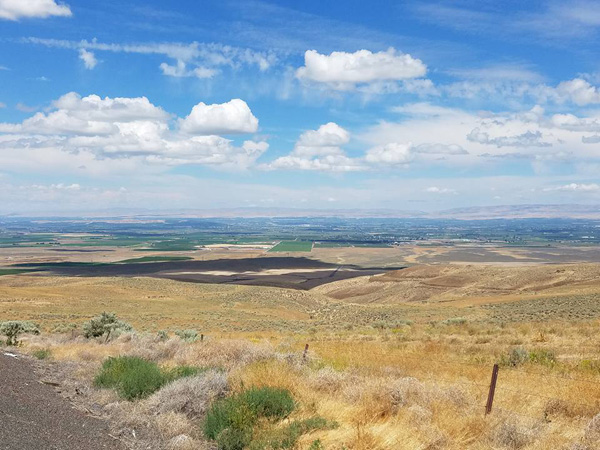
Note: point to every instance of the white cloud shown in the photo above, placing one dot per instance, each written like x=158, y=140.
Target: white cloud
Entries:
x=180, y=70
x=324, y=141
x=2, y=105
x=193, y=59
x=17, y=9
x=468, y=139
x=439, y=149
x=527, y=139
x=226, y=118
x=575, y=187
x=344, y=71
x=88, y=58
x=390, y=154
x=325, y=163
x=578, y=91
x=87, y=131
x=320, y=150
x=438, y=190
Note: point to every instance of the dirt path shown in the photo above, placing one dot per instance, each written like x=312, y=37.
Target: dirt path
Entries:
x=34, y=417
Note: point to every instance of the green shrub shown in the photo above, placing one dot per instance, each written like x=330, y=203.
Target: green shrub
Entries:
x=135, y=377
x=42, y=353
x=269, y=402
x=104, y=325
x=187, y=335
x=132, y=377
x=240, y=412
x=234, y=439
x=13, y=328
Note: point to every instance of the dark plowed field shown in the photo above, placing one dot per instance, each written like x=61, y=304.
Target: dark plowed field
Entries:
x=296, y=273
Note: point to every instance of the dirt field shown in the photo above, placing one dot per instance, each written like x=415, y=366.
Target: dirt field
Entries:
x=465, y=285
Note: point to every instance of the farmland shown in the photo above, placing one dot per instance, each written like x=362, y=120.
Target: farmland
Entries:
x=292, y=246
x=403, y=329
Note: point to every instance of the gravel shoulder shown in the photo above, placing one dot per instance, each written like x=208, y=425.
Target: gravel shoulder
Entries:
x=33, y=416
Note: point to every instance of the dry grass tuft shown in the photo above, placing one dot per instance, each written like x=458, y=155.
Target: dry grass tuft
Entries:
x=171, y=424
x=190, y=395
x=512, y=434
x=185, y=442
x=592, y=430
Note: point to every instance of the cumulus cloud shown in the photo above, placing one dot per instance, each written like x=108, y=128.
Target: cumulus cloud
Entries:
x=17, y=9
x=233, y=117
x=574, y=123
x=320, y=150
x=344, y=71
x=578, y=91
x=326, y=140
x=95, y=128
x=390, y=154
x=88, y=58
x=469, y=139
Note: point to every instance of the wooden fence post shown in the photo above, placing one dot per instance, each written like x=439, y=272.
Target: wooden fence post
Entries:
x=490, y=400
x=305, y=352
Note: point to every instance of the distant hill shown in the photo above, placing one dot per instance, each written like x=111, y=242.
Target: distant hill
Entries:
x=521, y=212
x=467, y=213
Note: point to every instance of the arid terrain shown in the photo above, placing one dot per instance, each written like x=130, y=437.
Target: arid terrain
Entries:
x=397, y=359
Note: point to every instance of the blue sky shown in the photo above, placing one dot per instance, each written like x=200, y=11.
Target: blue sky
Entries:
x=224, y=104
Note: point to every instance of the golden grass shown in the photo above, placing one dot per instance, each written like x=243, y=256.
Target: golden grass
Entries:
x=422, y=388
x=394, y=386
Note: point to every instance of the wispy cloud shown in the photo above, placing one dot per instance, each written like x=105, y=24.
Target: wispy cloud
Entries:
x=202, y=57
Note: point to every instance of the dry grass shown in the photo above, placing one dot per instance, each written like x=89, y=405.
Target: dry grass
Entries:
x=388, y=383
x=423, y=387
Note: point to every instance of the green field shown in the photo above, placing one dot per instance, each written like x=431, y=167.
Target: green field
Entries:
x=292, y=246
x=14, y=271
x=349, y=244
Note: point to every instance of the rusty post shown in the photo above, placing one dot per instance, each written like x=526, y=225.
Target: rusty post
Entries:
x=305, y=352
x=201, y=338
x=490, y=400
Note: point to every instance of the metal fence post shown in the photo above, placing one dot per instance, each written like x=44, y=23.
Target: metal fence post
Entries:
x=305, y=352
x=490, y=400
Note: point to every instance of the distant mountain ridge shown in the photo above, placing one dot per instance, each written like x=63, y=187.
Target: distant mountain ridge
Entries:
x=556, y=211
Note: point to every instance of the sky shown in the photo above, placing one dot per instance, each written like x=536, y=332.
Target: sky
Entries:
x=399, y=105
